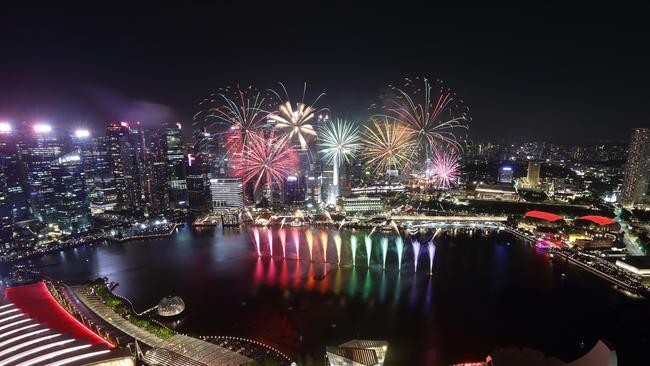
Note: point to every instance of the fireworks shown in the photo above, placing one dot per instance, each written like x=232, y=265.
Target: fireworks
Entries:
x=339, y=141
x=295, y=122
x=242, y=111
x=267, y=158
x=387, y=145
x=430, y=116
x=445, y=169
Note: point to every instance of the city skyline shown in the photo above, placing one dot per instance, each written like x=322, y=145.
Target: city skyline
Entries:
x=243, y=184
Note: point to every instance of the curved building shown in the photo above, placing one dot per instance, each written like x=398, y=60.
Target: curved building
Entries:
x=599, y=223
x=36, y=330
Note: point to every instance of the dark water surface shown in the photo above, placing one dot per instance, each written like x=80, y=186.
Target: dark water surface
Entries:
x=488, y=290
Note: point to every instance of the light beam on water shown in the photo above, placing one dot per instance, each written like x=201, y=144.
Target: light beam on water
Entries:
x=368, y=242
x=353, y=248
x=384, y=251
x=399, y=245
x=432, y=253
x=416, y=253
x=337, y=244
x=323, y=242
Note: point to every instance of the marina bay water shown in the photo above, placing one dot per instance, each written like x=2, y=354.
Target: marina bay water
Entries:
x=438, y=297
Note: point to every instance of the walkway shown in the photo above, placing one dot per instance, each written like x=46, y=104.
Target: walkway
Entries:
x=170, y=351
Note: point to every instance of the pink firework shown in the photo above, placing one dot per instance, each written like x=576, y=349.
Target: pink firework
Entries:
x=445, y=169
x=264, y=159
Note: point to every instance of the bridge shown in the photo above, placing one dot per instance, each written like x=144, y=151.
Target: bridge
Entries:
x=477, y=219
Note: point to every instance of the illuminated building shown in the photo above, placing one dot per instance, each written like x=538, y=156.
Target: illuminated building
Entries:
x=358, y=353
x=637, y=169
x=533, y=173
x=11, y=170
x=226, y=193
x=71, y=197
x=37, y=330
x=123, y=166
x=639, y=265
x=175, y=161
x=499, y=192
x=101, y=183
x=360, y=204
x=39, y=148
x=505, y=174
x=6, y=220
x=198, y=185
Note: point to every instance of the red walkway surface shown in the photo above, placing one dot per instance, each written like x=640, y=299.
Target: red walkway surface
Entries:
x=36, y=302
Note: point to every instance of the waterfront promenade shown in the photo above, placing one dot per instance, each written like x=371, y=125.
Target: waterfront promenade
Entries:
x=176, y=350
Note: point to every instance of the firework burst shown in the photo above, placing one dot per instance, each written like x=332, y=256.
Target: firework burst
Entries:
x=295, y=122
x=445, y=169
x=430, y=115
x=267, y=158
x=387, y=145
x=339, y=141
x=234, y=112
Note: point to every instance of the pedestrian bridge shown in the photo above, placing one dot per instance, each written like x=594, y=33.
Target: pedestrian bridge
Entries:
x=447, y=219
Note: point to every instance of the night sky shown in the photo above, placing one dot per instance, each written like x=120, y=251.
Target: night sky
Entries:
x=543, y=72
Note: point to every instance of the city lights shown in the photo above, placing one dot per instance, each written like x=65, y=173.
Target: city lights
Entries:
x=42, y=128
x=82, y=133
x=5, y=127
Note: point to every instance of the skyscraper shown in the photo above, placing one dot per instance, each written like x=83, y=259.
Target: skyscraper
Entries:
x=637, y=169
x=226, y=193
x=102, y=190
x=124, y=167
x=12, y=171
x=71, y=197
x=38, y=149
x=533, y=173
x=505, y=174
x=175, y=160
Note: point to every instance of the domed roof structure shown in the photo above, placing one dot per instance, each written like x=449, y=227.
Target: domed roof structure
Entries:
x=170, y=306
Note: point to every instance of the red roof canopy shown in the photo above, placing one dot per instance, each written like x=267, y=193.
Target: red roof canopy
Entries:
x=37, y=302
x=543, y=215
x=600, y=220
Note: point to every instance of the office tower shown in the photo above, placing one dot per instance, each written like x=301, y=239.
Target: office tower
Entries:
x=71, y=197
x=635, y=179
x=12, y=171
x=226, y=193
x=505, y=174
x=533, y=173
x=158, y=186
x=176, y=174
x=101, y=189
x=37, y=150
x=6, y=219
x=123, y=167
x=198, y=184
x=140, y=156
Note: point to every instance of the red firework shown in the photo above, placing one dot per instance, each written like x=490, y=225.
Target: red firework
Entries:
x=263, y=158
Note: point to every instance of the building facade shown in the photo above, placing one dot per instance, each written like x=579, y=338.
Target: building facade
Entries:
x=637, y=169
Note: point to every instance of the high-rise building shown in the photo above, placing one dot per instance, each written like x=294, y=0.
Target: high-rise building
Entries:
x=38, y=149
x=99, y=176
x=226, y=193
x=71, y=197
x=637, y=169
x=123, y=166
x=198, y=184
x=176, y=173
x=12, y=170
x=505, y=174
x=533, y=173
